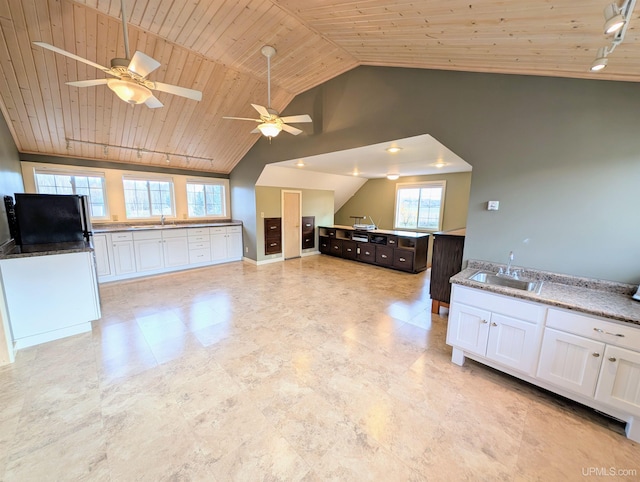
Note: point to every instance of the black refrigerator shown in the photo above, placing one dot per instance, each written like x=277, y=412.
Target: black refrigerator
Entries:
x=51, y=218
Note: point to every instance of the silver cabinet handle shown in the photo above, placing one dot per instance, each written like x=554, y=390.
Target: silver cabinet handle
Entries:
x=494, y=324
x=349, y=250
x=384, y=256
x=613, y=359
x=484, y=322
x=308, y=225
x=608, y=332
x=596, y=354
x=367, y=253
x=402, y=260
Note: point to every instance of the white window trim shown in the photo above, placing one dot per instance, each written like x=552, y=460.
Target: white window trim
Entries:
x=215, y=182
x=79, y=172
x=147, y=178
x=410, y=185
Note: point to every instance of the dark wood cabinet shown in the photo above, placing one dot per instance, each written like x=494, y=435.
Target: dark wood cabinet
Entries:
x=308, y=232
x=446, y=261
x=272, y=235
x=405, y=251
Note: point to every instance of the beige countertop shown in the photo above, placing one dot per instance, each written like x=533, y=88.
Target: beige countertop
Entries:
x=595, y=297
x=112, y=228
x=406, y=234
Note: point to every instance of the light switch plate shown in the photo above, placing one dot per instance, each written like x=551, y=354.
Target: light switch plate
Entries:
x=493, y=205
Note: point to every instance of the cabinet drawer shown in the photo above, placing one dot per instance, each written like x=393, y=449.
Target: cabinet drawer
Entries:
x=403, y=259
x=272, y=246
x=198, y=232
x=367, y=253
x=217, y=230
x=234, y=229
x=335, y=246
x=199, y=245
x=392, y=241
x=349, y=249
x=199, y=255
x=198, y=238
x=505, y=305
x=140, y=235
x=121, y=236
x=594, y=328
x=174, y=233
x=308, y=241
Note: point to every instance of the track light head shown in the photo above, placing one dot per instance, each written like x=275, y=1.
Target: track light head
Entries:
x=601, y=60
x=613, y=19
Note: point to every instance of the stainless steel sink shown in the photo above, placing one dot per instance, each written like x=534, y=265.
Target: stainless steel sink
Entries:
x=498, y=280
x=147, y=227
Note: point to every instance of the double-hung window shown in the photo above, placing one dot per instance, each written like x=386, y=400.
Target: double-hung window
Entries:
x=91, y=185
x=148, y=198
x=420, y=206
x=207, y=198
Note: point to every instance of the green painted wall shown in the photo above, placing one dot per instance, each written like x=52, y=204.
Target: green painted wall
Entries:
x=10, y=175
x=376, y=198
x=315, y=202
x=561, y=155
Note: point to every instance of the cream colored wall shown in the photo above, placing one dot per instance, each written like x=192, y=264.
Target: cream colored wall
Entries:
x=115, y=190
x=315, y=202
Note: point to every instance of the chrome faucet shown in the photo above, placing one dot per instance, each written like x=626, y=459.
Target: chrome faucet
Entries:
x=508, y=272
x=162, y=220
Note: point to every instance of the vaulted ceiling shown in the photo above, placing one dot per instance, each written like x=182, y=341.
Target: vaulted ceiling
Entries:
x=214, y=46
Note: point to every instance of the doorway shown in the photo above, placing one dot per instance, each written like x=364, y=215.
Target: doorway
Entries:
x=291, y=215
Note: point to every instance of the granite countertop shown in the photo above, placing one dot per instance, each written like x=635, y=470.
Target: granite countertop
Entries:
x=14, y=251
x=594, y=297
x=116, y=227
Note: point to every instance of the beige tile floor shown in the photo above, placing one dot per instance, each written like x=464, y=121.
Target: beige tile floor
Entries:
x=313, y=369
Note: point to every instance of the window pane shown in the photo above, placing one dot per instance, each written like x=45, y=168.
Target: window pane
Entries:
x=407, y=208
x=90, y=186
x=145, y=199
x=420, y=207
x=205, y=199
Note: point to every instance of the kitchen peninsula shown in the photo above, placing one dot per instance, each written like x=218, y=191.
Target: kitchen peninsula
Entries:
x=402, y=250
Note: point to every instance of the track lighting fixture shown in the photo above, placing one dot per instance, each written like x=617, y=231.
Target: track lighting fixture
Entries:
x=616, y=21
x=613, y=19
x=601, y=60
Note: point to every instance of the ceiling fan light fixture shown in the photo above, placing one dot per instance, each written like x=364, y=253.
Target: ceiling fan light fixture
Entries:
x=270, y=129
x=129, y=91
x=601, y=60
x=614, y=20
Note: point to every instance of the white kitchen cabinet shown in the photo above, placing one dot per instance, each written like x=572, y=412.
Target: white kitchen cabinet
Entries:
x=101, y=250
x=199, y=246
x=148, y=250
x=50, y=297
x=219, y=249
x=124, y=261
x=175, y=247
x=570, y=361
x=619, y=382
x=506, y=340
x=234, y=243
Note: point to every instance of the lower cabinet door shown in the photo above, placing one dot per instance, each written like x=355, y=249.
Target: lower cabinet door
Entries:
x=570, y=361
x=349, y=249
x=335, y=247
x=101, y=250
x=149, y=254
x=384, y=255
x=619, y=382
x=512, y=342
x=176, y=251
x=468, y=328
x=367, y=253
x=325, y=247
x=124, y=260
x=403, y=259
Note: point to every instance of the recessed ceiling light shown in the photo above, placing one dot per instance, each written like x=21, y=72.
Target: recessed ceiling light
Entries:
x=355, y=172
x=300, y=163
x=392, y=177
x=393, y=149
x=439, y=164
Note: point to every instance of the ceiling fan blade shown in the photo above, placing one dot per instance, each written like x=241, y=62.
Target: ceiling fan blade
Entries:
x=242, y=118
x=293, y=119
x=74, y=57
x=87, y=83
x=176, y=90
x=255, y=131
x=153, y=103
x=261, y=110
x=142, y=64
x=291, y=130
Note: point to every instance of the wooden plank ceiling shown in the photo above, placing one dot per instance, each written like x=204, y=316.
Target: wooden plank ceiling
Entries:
x=214, y=46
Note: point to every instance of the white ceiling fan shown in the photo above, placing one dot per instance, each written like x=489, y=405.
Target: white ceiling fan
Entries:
x=270, y=122
x=129, y=82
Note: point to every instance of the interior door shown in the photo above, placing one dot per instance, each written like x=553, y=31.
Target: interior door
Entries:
x=291, y=215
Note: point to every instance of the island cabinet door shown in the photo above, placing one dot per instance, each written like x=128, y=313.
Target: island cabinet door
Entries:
x=512, y=342
x=619, y=382
x=570, y=361
x=468, y=328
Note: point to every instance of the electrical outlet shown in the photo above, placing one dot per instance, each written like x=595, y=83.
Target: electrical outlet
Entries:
x=246, y=249
x=114, y=217
x=262, y=215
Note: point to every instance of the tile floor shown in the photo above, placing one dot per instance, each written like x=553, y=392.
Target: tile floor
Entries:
x=314, y=369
